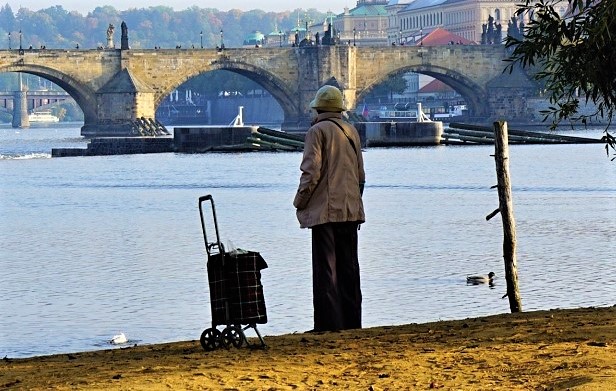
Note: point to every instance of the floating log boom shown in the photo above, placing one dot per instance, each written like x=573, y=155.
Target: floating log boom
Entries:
x=281, y=134
x=485, y=135
x=279, y=140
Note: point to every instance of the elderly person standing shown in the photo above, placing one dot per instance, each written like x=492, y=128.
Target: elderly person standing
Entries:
x=329, y=201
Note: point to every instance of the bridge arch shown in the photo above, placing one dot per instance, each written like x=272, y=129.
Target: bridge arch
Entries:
x=474, y=94
x=82, y=94
x=276, y=87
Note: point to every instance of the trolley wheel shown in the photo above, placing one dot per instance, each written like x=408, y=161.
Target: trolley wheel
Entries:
x=233, y=335
x=211, y=339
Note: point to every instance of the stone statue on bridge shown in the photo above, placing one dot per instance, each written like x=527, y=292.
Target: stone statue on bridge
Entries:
x=492, y=34
x=110, y=31
x=328, y=36
x=124, y=38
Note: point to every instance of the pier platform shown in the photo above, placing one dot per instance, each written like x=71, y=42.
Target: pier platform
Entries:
x=252, y=138
x=118, y=146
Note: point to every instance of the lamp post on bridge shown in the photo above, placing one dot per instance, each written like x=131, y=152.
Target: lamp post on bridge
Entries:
x=222, y=43
x=20, y=48
x=354, y=35
x=201, y=36
x=280, y=38
x=9, y=40
x=400, y=38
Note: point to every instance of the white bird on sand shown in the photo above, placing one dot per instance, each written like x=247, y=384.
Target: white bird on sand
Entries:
x=118, y=339
x=483, y=279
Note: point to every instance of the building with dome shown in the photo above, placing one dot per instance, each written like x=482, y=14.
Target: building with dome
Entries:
x=366, y=24
x=254, y=39
x=276, y=38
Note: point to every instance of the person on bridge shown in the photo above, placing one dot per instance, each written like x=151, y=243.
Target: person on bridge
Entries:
x=329, y=201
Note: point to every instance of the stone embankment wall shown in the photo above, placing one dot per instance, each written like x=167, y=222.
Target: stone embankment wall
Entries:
x=375, y=134
x=118, y=146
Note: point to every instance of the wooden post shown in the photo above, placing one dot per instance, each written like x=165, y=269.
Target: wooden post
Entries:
x=501, y=156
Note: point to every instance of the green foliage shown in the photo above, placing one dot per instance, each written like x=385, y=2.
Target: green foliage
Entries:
x=69, y=111
x=7, y=18
x=395, y=84
x=572, y=55
x=60, y=112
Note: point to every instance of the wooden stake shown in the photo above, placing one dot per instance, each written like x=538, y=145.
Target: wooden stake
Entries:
x=501, y=156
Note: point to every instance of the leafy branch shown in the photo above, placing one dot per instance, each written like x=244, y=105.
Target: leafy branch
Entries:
x=571, y=55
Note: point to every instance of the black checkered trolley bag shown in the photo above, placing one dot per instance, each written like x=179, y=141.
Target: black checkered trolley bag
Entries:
x=236, y=293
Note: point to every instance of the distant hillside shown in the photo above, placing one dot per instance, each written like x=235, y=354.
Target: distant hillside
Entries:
x=160, y=26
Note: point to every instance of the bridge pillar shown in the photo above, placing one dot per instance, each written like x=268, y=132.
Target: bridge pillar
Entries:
x=317, y=66
x=508, y=104
x=20, y=109
x=508, y=96
x=119, y=104
x=295, y=123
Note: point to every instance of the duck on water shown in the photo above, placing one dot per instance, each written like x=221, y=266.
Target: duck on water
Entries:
x=481, y=279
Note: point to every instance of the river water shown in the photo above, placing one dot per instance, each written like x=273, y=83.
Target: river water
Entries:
x=94, y=246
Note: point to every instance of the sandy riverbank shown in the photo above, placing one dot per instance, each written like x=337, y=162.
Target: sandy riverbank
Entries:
x=545, y=350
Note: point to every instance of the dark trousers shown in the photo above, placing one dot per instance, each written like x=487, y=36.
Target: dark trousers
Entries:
x=335, y=277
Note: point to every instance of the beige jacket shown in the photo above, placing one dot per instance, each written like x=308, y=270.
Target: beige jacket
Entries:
x=332, y=171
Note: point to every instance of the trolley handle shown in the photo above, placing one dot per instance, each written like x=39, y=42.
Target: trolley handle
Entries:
x=209, y=246
x=205, y=198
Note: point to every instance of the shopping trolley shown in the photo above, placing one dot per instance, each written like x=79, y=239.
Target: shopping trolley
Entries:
x=236, y=292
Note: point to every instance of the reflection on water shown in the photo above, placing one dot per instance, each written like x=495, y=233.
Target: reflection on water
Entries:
x=95, y=246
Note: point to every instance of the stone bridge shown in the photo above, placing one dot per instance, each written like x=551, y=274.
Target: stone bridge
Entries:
x=114, y=87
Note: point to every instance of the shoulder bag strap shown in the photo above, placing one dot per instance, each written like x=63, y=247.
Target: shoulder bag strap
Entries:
x=343, y=131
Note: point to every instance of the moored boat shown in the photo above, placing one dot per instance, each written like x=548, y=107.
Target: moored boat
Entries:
x=42, y=116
